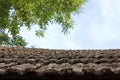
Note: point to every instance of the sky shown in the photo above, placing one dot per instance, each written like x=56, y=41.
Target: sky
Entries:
x=97, y=26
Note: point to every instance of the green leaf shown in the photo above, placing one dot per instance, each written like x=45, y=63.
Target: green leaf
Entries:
x=15, y=14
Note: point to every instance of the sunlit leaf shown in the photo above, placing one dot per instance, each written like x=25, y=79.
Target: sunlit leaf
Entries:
x=15, y=14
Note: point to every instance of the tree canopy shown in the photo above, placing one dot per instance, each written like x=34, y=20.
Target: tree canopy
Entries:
x=15, y=14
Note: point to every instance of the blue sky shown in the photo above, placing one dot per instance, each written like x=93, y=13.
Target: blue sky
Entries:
x=96, y=27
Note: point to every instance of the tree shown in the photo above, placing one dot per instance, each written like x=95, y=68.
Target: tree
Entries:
x=15, y=14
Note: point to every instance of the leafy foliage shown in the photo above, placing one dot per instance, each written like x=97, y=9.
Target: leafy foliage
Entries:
x=15, y=14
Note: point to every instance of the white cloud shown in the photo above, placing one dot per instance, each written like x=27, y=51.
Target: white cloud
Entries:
x=54, y=39
x=110, y=8
x=96, y=27
x=104, y=28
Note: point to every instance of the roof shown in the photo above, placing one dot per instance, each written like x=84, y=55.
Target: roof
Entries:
x=28, y=63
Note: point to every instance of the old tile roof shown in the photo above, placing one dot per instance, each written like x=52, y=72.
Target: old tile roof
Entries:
x=27, y=63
